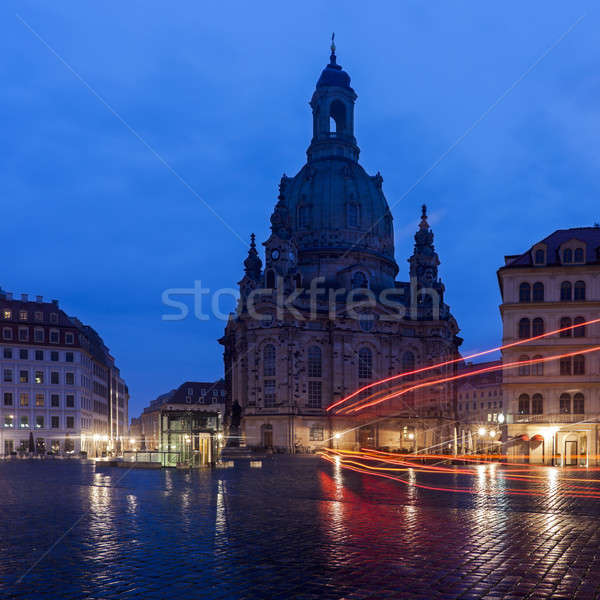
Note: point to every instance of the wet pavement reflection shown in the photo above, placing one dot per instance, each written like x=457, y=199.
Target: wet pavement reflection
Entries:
x=299, y=527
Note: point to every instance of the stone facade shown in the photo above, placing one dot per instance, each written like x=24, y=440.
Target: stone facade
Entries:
x=554, y=406
x=325, y=315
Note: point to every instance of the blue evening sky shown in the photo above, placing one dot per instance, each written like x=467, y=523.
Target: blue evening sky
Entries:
x=220, y=91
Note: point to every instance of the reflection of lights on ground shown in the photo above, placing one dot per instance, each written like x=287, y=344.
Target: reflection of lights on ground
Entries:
x=484, y=475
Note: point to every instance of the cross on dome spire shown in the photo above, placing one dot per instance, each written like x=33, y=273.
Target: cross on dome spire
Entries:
x=332, y=57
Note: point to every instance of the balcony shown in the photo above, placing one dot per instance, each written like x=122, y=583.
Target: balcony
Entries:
x=552, y=418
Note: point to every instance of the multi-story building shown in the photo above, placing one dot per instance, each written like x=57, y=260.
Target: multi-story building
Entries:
x=60, y=389
x=479, y=406
x=553, y=405
x=309, y=342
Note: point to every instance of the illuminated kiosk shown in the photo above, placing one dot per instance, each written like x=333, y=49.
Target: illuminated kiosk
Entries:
x=188, y=435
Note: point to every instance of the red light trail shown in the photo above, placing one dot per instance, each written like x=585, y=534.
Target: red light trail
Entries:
x=365, y=403
x=387, y=464
x=457, y=360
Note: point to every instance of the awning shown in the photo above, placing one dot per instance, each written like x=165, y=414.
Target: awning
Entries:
x=537, y=438
x=524, y=437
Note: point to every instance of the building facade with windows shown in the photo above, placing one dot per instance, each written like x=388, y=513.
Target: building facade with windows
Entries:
x=59, y=383
x=301, y=338
x=553, y=405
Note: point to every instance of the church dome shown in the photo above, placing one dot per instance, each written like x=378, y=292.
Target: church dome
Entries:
x=334, y=75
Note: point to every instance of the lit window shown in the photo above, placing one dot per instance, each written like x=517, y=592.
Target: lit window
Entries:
x=7, y=314
x=24, y=421
x=23, y=376
x=39, y=399
x=24, y=399
x=23, y=315
x=39, y=376
x=316, y=433
x=9, y=421
x=39, y=422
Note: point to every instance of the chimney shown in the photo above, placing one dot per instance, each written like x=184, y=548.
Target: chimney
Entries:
x=24, y=298
x=39, y=298
x=55, y=302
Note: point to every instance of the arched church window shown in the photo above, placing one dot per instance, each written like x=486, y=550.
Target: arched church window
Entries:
x=315, y=366
x=365, y=363
x=337, y=117
x=353, y=214
x=269, y=355
x=270, y=279
x=359, y=281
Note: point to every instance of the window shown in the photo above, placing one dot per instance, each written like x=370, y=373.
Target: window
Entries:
x=579, y=290
x=7, y=333
x=523, y=404
x=55, y=422
x=53, y=317
x=269, y=367
x=70, y=401
x=579, y=404
x=69, y=357
x=269, y=393
x=8, y=399
x=39, y=399
x=38, y=316
x=9, y=421
x=565, y=366
x=54, y=400
x=537, y=368
x=315, y=368
x=270, y=279
x=24, y=421
x=314, y=394
x=23, y=354
x=565, y=404
x=39, y=376
x=24, y=399
x=38, y=335
x=579, y=332
x=54, y=336
x=8, y=375
x=304, y=217
x=23, y=376
x=524, y=370
x=54, y=377
x=316, y=433
x=39, y=422
x=579, y=364
x=69, y=339
x=564, y=323
x=70, y=422
x=7, y=314
x=69, y=378
x=566, y=291
x=23, y=334
x=524, y=292
x=39, y=355
x=54, y=356
x=7, y=353
x=538, y=326
x=540, y=257
x=537, y=404
x=365, y=363
x=524, y=328
x=538, y=292
x=567, y=255
x=353, y=214
x=578, y=256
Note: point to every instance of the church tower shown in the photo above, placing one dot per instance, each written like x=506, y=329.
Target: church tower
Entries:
x=332, y=224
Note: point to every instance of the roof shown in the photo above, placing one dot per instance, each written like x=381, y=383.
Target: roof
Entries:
x=590, y=236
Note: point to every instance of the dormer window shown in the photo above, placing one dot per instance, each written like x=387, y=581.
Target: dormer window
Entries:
x=578, y=255
x=567, y=256
x=539, y=257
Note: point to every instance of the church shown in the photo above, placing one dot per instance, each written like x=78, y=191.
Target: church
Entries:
x=325, y=315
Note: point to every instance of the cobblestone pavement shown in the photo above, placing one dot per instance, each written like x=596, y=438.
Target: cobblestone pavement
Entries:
x=297, y=528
